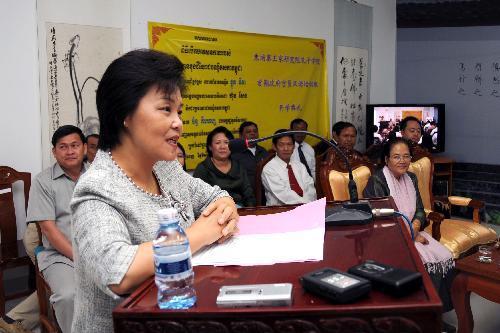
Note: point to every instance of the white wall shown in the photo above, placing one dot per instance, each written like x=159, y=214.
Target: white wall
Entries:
x=19, y=108
x=428, y=72
x=383, y=71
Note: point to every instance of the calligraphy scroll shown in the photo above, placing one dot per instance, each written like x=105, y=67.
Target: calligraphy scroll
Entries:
x=77, y=56
x=352, y=89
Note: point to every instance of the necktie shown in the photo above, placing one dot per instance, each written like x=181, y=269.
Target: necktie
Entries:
x=294, y=184
x=303, y=159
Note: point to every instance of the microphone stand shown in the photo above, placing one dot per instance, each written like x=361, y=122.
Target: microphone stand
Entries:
x=352, y=212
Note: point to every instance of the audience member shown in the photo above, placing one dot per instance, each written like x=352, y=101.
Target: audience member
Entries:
x=218, y=168
x=434, y=133
x=303, y=151
x=395, y=180
x=286, y=181
x=48, y=206
x=345, y=134
x=181, y=155
x=321, y=147
x=411, y=129
x=135, y=174
x=377, y=138
x=92, y=144
x=249, y=158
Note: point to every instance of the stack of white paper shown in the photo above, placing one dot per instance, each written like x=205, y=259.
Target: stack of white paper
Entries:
x=293, y=236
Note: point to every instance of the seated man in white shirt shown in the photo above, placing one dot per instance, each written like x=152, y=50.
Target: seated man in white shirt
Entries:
x=303, y=151
x=286, y=181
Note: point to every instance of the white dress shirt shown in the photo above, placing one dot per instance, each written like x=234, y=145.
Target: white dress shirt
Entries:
x=277, y=184
x=308, y=154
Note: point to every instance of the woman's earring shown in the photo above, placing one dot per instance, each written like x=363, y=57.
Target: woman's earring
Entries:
x=124, y=124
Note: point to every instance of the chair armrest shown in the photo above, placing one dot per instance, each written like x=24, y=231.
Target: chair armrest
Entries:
x=465, y=202
x=436, y=219
x=476, y=205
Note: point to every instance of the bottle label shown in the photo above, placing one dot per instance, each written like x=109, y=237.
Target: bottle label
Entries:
x=171, y=268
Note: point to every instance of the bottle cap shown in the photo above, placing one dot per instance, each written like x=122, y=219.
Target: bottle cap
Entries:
x=167, y=214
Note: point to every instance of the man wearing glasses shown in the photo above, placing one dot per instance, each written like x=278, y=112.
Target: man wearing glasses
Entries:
x=48, y=206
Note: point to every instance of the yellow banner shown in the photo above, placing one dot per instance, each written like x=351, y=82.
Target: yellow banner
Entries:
x=233, y=77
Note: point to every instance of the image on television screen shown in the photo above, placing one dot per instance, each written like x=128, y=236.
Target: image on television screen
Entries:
x=387, y=118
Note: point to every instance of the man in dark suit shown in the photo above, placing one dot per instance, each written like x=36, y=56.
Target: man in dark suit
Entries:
x=249, y=158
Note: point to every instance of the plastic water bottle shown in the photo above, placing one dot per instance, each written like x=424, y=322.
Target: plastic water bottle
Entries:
x=174, y=275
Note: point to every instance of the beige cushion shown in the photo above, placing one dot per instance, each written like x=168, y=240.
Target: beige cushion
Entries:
x=460, y=236
x=339, y=182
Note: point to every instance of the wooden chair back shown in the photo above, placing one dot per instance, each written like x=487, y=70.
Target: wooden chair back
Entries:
x=259, y=189
x=334, y=176
x=12, y=251
x=8, y=227
x=48, y=322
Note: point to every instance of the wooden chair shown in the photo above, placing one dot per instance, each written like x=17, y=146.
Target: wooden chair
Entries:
x=48, y=320
x=334, y=176
x=459, y=236
x=12, y=251
x=259, y=189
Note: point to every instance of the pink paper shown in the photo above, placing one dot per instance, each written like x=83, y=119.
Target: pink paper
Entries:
x=305, y=217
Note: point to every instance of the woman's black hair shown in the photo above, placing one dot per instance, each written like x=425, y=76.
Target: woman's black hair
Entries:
x=183, y=153
x=386, y=151
x=66, y=130
x=126, y=81
x=339, y=126
x=217, y=130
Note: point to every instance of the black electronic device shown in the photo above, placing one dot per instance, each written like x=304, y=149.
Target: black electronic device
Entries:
x=335, y=285
x=388, y=279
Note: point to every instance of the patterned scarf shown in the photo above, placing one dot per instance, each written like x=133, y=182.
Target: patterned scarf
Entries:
x=403, y=192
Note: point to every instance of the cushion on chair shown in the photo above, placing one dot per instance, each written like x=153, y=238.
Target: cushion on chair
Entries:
x=339, y=182
x=460, y=236
x=421, y=169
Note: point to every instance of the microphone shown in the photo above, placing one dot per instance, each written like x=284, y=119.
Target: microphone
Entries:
x=360, y=212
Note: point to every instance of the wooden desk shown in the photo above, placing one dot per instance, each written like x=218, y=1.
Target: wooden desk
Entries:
x=384, y=240
x=473, y=276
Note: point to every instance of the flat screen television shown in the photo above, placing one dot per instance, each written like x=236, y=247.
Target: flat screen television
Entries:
x=382, y=122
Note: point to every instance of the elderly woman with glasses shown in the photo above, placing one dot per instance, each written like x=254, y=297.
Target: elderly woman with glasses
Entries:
x=395, y=180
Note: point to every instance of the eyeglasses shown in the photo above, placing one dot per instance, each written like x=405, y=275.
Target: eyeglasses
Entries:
x=399, y=158
x=73, y=146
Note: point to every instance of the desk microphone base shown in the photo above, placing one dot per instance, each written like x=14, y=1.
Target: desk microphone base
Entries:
x=349, y=213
